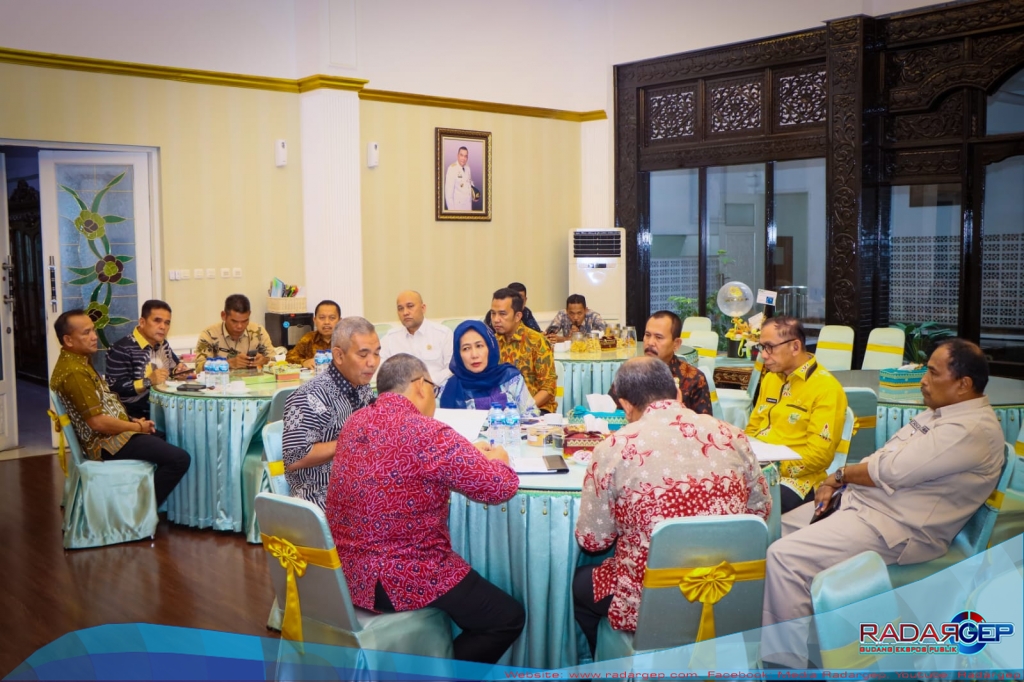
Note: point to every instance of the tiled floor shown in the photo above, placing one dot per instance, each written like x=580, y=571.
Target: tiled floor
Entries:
x=34, y=427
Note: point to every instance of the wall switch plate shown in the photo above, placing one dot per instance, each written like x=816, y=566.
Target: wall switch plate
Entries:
x=237, y=272
x=198, y=273
x=172, y=275
x=225, y=273
x=184, y=274
x=211, y=273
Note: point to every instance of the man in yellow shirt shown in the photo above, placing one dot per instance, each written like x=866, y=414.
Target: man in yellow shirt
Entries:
x=800, y=405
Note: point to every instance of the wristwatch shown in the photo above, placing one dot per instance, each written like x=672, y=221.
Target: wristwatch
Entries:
x=840, y=475
x=146, y=383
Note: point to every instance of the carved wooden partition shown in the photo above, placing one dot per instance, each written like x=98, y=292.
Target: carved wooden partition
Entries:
x=888, y=100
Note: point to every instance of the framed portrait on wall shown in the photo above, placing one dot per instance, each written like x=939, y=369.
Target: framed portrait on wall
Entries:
x=462, y=160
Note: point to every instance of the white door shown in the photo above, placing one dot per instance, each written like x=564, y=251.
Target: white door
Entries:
x=8, y=384
x=96, y=217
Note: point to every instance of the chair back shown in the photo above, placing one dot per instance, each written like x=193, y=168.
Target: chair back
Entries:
x=272, y=448
x=845, y=595
x=835, y=347
x=755, y=379
x=716, y=406
x=277, y=403
x=452, y=323
x=323, y=592
x=864, y=403
x=560, y=387
x=695, y=324
x=885, y=349
x=974, y=536
x=843, y=449
x=706, y=344
x=77, y=456
x=382, y=329
x=666, y=618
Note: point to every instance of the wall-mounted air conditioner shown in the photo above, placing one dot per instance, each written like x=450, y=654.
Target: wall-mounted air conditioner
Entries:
x=597, y=270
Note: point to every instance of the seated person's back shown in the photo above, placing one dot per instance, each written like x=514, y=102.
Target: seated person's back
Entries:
x=387, y=507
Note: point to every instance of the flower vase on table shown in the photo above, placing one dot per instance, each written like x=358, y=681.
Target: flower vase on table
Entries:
x=737, y=348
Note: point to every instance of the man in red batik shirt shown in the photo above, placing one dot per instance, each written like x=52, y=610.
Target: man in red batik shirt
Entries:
x=387, y=507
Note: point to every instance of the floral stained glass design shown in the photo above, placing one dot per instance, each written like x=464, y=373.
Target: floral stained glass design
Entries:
x=97, y=246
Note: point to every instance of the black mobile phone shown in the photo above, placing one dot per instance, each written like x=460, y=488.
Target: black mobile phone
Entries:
x=192, y=387
x=252, y=353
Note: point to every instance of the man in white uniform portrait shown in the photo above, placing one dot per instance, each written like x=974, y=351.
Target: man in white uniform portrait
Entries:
x=458, y=184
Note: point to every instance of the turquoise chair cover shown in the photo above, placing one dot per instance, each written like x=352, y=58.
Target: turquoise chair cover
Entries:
x=382, y=329
x=666, y=618
x=884, y=349
x=860, y=587
x=864, y=403
x=273, y=449
x=973, y=538
x=453, y=323
x=774, y=479
x=716, y=406
x=106, y=502
x=1010, y=522
x=695, y=324
x=736, y=403
x=843, y=449
x=256, y=475
x=328, y=616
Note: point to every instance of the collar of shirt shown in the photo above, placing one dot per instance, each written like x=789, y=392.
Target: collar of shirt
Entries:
x=141, y=340
x=518, y=334
x=804, y=370
x=659, y=405
x=76, y=358
x=357, y=396
x=395, y=403
x=961, y=407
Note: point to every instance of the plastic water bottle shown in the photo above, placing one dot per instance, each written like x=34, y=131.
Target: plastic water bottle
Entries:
x=321, y=360
x=210, y=372
x=222, y=373
x=512, y=425
x=496, y=424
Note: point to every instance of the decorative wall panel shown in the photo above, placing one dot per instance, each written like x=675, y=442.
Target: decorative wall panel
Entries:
x=671, y=114
x=735, y=106
x=924, y=279
x=800, y=98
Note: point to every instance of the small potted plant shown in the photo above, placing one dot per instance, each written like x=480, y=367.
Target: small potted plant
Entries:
x=741, y=338
x=921, y=339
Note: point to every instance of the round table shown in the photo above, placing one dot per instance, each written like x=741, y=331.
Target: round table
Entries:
x=1006, y=396
x=218, y=430
x=584, y=373
x=527, y=547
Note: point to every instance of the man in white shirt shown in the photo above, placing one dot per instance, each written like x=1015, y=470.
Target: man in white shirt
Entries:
x=458, y=184
x=429, y=341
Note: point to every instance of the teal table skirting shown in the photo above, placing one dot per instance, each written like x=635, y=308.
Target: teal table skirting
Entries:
x=892, y=418
x=583, y=377
x=527, y=547
x=216, y=432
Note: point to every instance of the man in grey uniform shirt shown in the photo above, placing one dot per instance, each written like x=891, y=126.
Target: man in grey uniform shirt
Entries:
x=905, y=501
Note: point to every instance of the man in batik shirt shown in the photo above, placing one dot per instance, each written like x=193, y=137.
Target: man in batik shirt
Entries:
x=528, y=350
x=315, y=413
x=668, y=462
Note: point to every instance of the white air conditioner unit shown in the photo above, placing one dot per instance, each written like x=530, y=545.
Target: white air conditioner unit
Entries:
x=597, y=270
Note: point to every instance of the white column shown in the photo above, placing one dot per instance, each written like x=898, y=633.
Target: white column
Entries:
x=330, y=198
x=596, y=200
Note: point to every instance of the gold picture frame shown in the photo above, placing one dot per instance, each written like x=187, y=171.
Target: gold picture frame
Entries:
x=462, y=182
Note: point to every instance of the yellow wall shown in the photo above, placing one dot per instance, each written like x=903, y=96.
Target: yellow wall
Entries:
x=220, y=191
x=458, y=265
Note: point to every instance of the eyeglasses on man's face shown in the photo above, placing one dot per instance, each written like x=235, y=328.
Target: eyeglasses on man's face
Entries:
x=425, y=379
x=769, y=348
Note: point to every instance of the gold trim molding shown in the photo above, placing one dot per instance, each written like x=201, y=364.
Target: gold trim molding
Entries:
x=477, y=105
x=307, y=84
x=237, y=80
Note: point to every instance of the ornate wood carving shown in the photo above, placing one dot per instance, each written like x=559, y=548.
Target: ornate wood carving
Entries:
x=946, y=122
x=777, y=149
x=910, y=67
x=953, y=21
x=904, y=165
x=782, y=50
x=735, y=106
x=800, y=98
x=976, y=72
x=671, y=114
x=627, y=145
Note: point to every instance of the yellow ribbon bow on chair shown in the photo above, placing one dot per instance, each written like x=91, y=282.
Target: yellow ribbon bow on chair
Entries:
x=706, y=584
x=59, y=422
x=295, y=560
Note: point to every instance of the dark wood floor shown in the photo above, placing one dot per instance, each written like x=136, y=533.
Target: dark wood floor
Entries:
x=192, y=578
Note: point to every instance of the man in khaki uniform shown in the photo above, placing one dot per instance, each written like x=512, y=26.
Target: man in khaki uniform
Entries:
x=905, y=501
